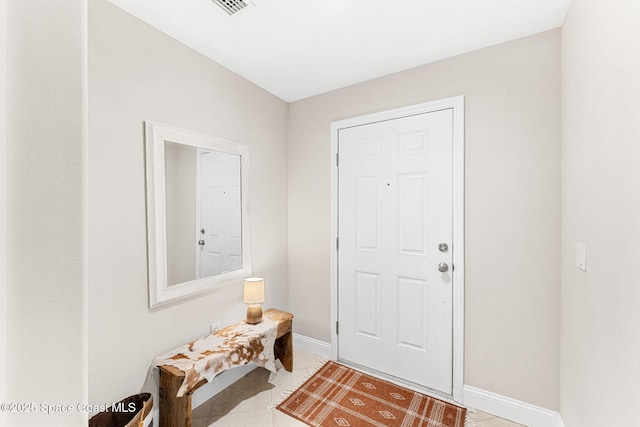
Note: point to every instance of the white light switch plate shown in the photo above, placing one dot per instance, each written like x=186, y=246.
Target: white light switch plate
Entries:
x=581, y=256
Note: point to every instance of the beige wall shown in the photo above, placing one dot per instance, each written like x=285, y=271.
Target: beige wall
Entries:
x=512, y=201
x=46, y=214
x=3, y=204
x=600, y=350
x=137, y=73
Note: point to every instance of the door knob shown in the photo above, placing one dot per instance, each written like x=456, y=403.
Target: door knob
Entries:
x=443, y=267
x=201, y=242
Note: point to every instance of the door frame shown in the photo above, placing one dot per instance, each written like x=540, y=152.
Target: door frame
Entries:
x=455, y=103
x=198, y=252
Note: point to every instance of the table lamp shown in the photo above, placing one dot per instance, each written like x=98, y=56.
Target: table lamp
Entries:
x=254, y=295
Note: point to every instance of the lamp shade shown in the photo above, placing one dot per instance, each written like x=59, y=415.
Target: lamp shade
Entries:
x=254, y=290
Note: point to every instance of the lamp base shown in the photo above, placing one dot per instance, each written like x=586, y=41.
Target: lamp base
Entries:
x=254, y=314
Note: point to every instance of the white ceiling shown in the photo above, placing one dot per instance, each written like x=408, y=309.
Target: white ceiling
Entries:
x=300, y=48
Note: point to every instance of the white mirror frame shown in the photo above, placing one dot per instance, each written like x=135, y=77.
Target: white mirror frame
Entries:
x=156, y=134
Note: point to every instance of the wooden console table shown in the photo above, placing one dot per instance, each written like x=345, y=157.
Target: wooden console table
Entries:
x=176, y=411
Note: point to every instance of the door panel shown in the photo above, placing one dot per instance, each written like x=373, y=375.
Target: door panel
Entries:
x=367, y=304
x=395, y=207
x=220, y=228
x=412, y=214
x=368, y=213
x=412, y=313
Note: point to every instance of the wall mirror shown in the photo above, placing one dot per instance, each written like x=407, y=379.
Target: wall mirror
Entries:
x=198, y=233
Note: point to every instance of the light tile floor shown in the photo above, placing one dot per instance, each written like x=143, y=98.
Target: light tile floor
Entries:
x=251, y=401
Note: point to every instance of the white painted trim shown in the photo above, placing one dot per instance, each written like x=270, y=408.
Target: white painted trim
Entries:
x=510, y=409
x=196, y=249
x=311, y=345
x=457, y=105
x=458, y=247
x=156, y=134
x=333, y=215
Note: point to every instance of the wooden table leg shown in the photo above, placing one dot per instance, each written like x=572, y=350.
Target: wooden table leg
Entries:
x=174, y=411
x=284, y=350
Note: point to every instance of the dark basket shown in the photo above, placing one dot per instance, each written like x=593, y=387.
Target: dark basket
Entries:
x=129, y=412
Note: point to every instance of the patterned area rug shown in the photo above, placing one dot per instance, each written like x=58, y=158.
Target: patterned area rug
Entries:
x=337, y=396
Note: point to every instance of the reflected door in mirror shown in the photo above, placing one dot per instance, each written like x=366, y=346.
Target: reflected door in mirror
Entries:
x=220, y=220
x=203, y=194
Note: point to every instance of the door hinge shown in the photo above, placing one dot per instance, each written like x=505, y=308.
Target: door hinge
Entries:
x=337, y=328
x=337, y=159
x=337, y=243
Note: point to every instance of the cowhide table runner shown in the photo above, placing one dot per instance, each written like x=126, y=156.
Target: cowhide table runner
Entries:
x=236, y=345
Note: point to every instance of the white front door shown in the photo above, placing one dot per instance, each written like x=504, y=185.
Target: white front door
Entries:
x=219, y=229
x=395, y=206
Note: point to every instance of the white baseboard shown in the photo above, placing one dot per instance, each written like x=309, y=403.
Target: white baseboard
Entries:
x=510, y=409
x=311, y=345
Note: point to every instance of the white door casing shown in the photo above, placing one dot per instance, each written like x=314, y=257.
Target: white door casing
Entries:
x=398, y=194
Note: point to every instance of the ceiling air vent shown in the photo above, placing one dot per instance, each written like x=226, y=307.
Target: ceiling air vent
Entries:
x=232, y=6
